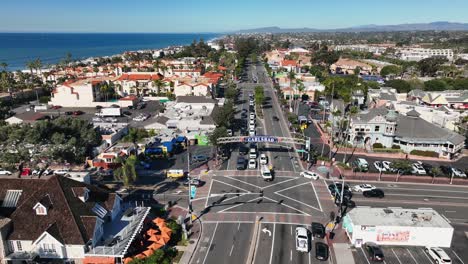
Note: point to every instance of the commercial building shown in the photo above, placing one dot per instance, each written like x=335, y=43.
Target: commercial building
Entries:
x=417, y=54
x=398, y=227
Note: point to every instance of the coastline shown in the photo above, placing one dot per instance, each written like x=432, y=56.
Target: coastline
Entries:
x=16, y=55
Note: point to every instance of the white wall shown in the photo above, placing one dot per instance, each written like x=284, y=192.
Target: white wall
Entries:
x=409, y=236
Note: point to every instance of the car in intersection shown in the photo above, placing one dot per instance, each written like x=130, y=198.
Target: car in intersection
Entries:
x=363, y=187
x=302, y=239
x=438, y=255
x=309, y=175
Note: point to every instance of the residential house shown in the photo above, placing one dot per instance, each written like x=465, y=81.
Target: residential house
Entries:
x=349, y=66
x=26, y=117
x=138, y=83
x=384, y=96
x=409, y=132
x=59, y=220
x=290, y=65
x=107, y=159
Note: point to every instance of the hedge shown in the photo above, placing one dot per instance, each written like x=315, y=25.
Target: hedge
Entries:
x=387, y=150
x=396, y=147
x=424, y=153
x=377, y=145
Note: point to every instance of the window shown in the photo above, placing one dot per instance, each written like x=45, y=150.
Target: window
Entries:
x=377, y=128
x=40, y=209
x=18, y=246
x=49, y=248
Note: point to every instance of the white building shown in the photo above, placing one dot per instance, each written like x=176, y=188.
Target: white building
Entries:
x=361, y=48
x=85, y=93
x=138, y=82
x=417, y=54
x=397, y=227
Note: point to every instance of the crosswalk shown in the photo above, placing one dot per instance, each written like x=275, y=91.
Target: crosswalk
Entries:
x=253, y=173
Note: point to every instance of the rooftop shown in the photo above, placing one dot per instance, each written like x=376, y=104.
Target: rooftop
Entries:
x=423, y=217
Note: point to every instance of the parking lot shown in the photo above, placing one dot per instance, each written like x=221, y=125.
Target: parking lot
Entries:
x=403, y=255
x=449, y=201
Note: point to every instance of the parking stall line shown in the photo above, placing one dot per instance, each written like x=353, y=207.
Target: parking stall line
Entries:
x=412, y=256
x=396, y=256
x=425, y=254
x=365, y=256
x=458, y=257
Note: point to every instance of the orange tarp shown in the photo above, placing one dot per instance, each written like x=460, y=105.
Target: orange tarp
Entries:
x=98, y=260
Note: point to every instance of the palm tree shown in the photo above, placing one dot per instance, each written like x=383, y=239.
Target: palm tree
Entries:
x=30, y=65
x=157, y=65
x=159, y=83
x=291, y=77
x=37, y=65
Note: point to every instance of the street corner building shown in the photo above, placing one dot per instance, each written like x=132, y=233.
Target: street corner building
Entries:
x=397, y=227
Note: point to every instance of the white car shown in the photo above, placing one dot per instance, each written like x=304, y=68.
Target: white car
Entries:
x=438, y=255
x=458, y=173
x=97, y=119
x=252, y=164
x=252, y=127
x=252, y=132
x=302, y=239
x=111, y=119
x=62, y=171
x=363, y=187
x=263, y=159
x=379, y=166
x=309, y=175
x=252, y=122
x=252, y=153
x=387, y=165
x=4, y=172
x=252, y=116
x=416, y=168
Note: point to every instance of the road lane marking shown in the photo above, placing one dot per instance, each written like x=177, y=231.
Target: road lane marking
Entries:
x=297, y=185
x=238, y=226
x=291, y=230
x=396, y=256
x=237, y=205
x=272, y=243
x=427, y=196
x=291, y=207
x=279, y=183
x=234, y=179
x=456, y=255
x=290, y=258
x=233, y=186
x=425, y=254
x=426, y=190
x=412, y=256
x=211, y=242
x=297, y=201
x=316, y=196
x=446, y=219
x=209, y=192
x=232, y=248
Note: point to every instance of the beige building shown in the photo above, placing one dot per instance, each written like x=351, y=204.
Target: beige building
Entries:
x=348, y=66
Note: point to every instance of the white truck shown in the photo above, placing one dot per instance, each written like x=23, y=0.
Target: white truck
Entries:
x=110, y=111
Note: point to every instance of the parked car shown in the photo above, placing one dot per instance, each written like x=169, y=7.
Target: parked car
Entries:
x=458, y=173
x=309, y=175
x=360, y=164
x=417, y=168
x=363, y=187
x=56, y=107
x=374, y=193
x=263, y=159
x=252, y=164
x=199, y=158
x=374, y=252
x=438, y=255
x=145, y=165
x=194, y=182
x=48, y=172
x=379, y=166
x=275, y=118
x=97, y=119
x=387, y=165
x=61, y=171
x=302, y=239
x=321, y=251
x=428, y=168
x=446, y=170
x=318, y=230
x=78, y=112
x=98, y=107
x=68, y=113
x=4, y=172
x=240, y=163
x=243, y=150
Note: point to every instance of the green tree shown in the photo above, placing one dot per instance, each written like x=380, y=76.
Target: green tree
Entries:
x=259, y=95
x=127, y=172
x=429, y=66
x=217, y=133
x=391, y=70
x=435, y=85
x=225, y=114
x=231, y=92
x=400, y=85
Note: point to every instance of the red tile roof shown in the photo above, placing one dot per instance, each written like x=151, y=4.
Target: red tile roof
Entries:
x=289, y=63
x=140, y=77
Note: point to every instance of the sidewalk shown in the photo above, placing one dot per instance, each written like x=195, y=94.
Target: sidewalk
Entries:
x=341, y=248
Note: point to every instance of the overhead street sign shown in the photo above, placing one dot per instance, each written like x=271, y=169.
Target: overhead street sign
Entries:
x=261, y=139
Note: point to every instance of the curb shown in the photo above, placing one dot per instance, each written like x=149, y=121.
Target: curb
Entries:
x=253, y=246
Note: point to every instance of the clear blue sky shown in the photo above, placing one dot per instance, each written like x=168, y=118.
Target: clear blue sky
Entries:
x=217, y=15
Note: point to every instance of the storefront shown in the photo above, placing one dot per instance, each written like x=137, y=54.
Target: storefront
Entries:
x=397, y=226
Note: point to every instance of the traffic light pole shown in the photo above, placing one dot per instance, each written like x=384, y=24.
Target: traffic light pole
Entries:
x=189, y=184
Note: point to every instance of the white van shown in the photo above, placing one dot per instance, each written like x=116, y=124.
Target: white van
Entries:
x=266, y=173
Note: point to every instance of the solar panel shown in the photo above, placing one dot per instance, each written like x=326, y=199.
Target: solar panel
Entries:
x=99, y=210
x=11, y=198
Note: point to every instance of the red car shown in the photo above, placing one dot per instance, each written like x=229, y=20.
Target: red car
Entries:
x=56, y=107
x=26, y=172
x=77, y=113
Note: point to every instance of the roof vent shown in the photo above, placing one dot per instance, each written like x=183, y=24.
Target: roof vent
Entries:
x=388, y=211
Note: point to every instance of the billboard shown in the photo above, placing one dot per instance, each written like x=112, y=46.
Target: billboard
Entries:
x=393, y=235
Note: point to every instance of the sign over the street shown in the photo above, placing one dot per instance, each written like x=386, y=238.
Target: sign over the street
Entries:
x=271, y=139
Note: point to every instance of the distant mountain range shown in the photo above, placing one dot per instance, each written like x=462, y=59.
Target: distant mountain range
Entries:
x=438, y=26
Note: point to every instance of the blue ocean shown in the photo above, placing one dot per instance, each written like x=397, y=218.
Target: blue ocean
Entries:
x=16, y=49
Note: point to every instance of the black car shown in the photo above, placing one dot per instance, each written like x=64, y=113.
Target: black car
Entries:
x=321, y=251
x=374, y=193
x=337, y=187
x=68, y=113
x=243, y=150
x=446, y=170
x=318, y=230
x=374, y=251
x=275, y=118
x=244, y=115
x=241, y=163
x=127, y=113
x=225, y=153
x=428, y=168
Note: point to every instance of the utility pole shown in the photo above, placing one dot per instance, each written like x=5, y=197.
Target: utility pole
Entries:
x=189, y=184
x=333, y=121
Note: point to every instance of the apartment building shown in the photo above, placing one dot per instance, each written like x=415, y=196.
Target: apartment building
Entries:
x=417, y=54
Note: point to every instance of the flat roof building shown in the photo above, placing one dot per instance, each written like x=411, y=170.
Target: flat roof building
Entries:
x=398, y=226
